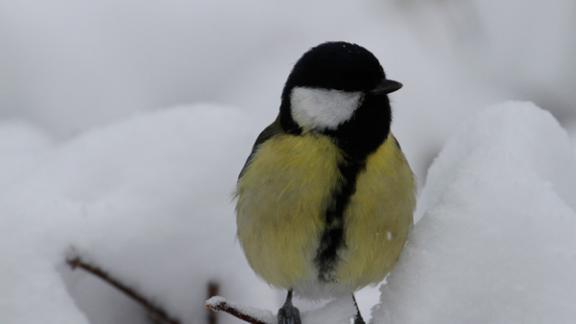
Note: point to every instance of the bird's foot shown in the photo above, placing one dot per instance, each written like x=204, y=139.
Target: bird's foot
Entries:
x=358, y=319
x=289, y=314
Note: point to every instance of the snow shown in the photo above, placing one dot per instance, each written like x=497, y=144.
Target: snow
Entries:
x=148, y=199
x=215, y=301
x=338, y=311
x=496, y=242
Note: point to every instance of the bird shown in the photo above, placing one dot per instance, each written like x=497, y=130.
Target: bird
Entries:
x=325, y=200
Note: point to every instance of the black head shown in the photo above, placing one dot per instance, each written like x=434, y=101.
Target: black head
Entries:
x=339, y=89
x=337, y=65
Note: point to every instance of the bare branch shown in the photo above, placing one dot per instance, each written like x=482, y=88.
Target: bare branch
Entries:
x=155, y=311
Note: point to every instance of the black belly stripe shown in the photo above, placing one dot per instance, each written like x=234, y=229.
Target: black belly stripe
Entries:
x=332, y=239
x=357, y=138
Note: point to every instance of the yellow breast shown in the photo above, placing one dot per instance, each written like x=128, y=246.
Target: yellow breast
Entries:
x=282, y=198
x=378, y=218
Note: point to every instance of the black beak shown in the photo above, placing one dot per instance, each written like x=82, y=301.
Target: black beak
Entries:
x=386, y=87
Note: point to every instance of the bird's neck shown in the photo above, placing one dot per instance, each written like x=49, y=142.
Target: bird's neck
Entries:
x=366, y=130
x=357, y=137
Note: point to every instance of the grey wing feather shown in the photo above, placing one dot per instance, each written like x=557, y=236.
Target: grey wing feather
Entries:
x=269, y=132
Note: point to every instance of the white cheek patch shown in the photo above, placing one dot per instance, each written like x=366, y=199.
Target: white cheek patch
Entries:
x=322, y=108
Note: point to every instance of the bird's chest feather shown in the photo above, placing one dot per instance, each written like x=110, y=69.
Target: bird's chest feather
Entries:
x=290, y=176
x=282, y=198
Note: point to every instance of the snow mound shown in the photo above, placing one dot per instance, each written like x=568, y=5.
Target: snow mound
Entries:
x=497, y=242
x=148, y=199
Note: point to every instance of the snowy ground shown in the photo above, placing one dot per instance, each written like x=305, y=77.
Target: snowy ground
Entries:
x=149, y=199
x=95, y=160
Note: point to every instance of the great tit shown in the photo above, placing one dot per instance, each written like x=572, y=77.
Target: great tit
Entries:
x=326, y=197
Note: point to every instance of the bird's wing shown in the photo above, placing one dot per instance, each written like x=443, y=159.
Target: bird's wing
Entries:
x=268, y=132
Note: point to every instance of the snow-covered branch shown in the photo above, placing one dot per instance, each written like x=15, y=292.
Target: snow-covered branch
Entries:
x=249, y=315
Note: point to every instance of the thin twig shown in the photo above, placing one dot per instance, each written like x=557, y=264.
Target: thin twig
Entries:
x=220, y=304
x=155, y=311
x=213, y=290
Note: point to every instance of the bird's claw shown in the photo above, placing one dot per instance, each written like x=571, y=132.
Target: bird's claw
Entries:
x=289, y=314
x=359, y=320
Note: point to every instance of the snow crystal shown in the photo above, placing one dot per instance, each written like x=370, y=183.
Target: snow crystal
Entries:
x=215, y=301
